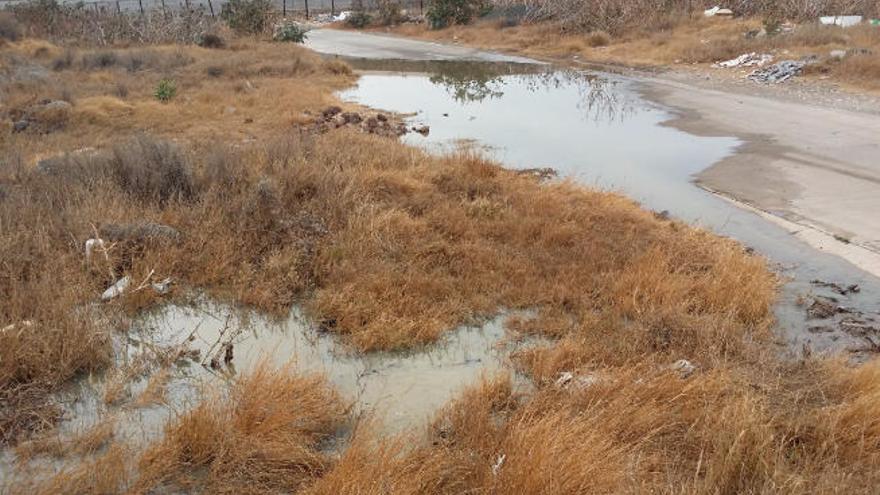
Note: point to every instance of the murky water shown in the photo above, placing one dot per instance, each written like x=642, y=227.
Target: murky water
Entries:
x=402, y=390
x=596, y=129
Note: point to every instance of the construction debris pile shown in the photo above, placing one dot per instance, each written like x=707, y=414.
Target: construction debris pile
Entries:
x=778, y=73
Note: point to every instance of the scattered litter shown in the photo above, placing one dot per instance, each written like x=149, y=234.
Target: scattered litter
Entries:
x=566, y=378
x=498, y=463
x=21, y=326
x=684, y=367
x=841, y=20
x=163, y=287
x=91, y=244
x=838, y=53
x=717, y=10
x=874, y=22
x=345, y=14
x=116, y=289
x=746, y=60
x=778, y=73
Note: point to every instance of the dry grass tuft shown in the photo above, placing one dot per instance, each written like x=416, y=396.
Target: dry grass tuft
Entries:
x=264, y=437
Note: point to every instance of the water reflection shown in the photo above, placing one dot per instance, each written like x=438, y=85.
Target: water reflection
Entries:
x=595, y=128
x=477, y=82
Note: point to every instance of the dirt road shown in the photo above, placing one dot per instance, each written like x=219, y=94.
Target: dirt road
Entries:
x=811, y=167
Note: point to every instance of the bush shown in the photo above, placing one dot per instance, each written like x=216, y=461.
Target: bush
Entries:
x=359, y=19
x=209, y=40
x=443, y=13
x=290, y=32
x=9, y=28
x=389, y=12
x=150, y=170
x=247, y=16
x=165, y=91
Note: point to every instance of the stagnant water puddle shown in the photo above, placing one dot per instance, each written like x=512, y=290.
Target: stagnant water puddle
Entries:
x=401, y=390
x=595, y=128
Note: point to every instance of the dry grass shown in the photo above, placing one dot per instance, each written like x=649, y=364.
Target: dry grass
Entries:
x=264, y=437
x=683, y=40
x=396, y=247
x=48, y=334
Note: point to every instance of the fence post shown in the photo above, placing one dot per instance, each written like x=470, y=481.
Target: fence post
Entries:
x=118, y=9
x=333, y=8
x=307, y=9
x=141, y=5
x=284, y=8
x=211, y=6
x=421, y=7
x=96, y=8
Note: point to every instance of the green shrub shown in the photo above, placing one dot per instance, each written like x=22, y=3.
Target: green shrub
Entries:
x=247, y=16
x=443, y=13
x=359, y=19
x=389, y=12
x=290, y=32
x=165, y=90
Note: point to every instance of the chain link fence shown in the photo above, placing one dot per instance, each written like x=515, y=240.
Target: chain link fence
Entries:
x=307, y=8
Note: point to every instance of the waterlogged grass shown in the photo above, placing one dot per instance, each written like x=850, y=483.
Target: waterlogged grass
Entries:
x=390, y=248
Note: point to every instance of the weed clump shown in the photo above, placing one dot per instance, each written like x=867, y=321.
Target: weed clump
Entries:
x=290, y=32
x=263, y=438
x=165, y=90
x=210, y=40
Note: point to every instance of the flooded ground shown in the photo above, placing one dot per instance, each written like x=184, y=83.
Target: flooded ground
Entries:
x=174, y=346
x=596, y=129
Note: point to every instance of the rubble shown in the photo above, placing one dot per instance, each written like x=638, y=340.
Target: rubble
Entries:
x=379, y=124
x=746, y=60
x=778, y=73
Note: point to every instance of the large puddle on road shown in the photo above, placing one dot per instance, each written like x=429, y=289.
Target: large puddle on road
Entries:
x=595, y=128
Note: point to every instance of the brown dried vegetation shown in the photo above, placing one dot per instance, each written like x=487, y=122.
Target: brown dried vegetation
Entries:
x=395, y=247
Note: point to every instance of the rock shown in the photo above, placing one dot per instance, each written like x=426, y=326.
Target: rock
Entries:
x=49, y=116
x=423, y=130
x=381, y=118
x=20, y=126
x=329, y=112
x=838, y=54
x=352, y=118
